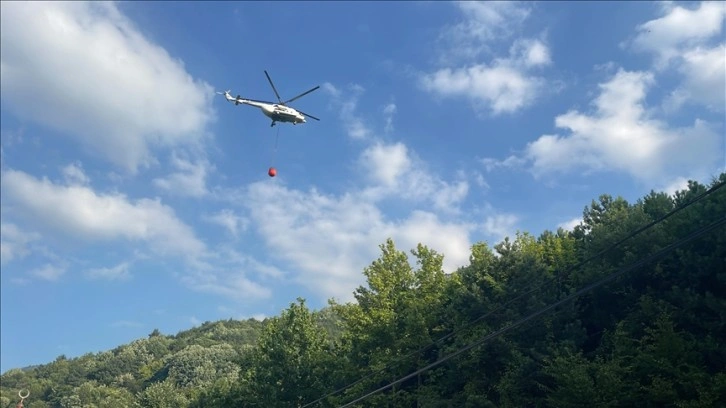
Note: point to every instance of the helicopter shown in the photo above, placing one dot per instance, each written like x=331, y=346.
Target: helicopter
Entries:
x=278, y=112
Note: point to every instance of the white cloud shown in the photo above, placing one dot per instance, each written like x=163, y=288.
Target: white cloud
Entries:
x=79, y=211
x=329, y=240
x=392, y=169
x=82, y=68
x=448, y=238
x=226, y=218
x=74, y=174
x=483, y=22
x=227, y=258
x=14, y=242
x=355, y=126
x=189, y=180
x=679, y=29
x=675, y=185
x=571, y=224
x=386, y=163
x=690, y=41
x=331, y=89
x=10, y=137
x=264, y=269
x=531, y=53
x=449, y=196
x=396, y=172
x=620, y=135
x=230, y=283
x=49, y=272
x=74, y=211
x=480, y=181
x=498, y=88
x=20, y=281
x=118, y=272
x=500, y=226
x=388, y=112
x=503, y=85
x=704, y=73
x=226, y=272
x=510, y=162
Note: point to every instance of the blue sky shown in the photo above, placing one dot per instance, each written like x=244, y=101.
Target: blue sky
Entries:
x=134, y=197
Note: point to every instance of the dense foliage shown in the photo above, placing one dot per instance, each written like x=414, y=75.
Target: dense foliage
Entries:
x=654, y=336
x=158, y=371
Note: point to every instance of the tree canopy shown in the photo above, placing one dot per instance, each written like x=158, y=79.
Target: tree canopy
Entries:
x=652, y=336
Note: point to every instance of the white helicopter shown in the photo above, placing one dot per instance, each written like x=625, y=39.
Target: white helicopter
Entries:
x=278, y=112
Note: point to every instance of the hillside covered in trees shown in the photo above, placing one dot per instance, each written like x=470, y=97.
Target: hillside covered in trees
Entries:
x=640, y=320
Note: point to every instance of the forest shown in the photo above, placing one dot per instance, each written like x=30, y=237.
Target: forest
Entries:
x=627, y=309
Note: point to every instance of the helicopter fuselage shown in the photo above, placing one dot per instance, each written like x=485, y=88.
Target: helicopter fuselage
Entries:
x=276, y=112
x=282, y=113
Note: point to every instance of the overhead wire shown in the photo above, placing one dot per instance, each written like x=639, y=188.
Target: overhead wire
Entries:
x=696, y=234
x=534, y=289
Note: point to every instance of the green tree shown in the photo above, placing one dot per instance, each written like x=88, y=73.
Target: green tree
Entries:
x=286, y=368
x=162, y=395
x=400, y=310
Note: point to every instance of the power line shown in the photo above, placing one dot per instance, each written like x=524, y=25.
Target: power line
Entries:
x=529, y=292
x=692, y=236
x=536, y=288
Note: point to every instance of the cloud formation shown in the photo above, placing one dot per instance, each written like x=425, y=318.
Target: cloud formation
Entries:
x=354, y=124
x=14, y=243
x=394, y=171
x=690, y=41
x=83, y=69
x=330, y=239
x=227, y=219
x=621, y=135
x=503, y=85
x=482, y=23
x=704, y=79
x=679, y=30
x=81, y=212
x=76, y=211
x=189, y=180
x=49, y=272
x=621, y=132
x=118, y=273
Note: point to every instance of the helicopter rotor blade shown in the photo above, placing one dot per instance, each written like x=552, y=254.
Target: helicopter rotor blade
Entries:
x=307, y=115
x=300, y=96
x=273, y=87
x=258, y=101
x=254, y=100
